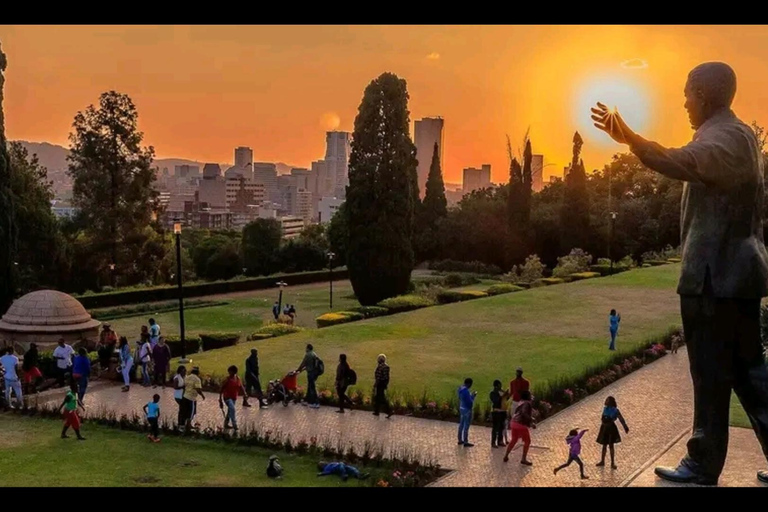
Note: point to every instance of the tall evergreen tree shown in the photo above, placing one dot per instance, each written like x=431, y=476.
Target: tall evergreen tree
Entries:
x=433, y=208
x=8, y=231
x=112, y=183
x=519, y=205
x=574, y=213
x=382, y=193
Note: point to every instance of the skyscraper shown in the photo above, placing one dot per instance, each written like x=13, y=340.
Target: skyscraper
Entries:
x=427, y=132
x=266, y=174
x=537, y=172
x=243, y=157
x=475, y=179
x=337, y=159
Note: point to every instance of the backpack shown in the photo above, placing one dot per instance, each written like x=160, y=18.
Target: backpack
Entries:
x=319, y=366
x=351, y=377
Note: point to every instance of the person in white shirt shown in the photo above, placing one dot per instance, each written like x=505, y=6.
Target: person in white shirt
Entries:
x=154, y=332
x=63, y=356
x=145, y=356
x=10, y=364
x=178, y=392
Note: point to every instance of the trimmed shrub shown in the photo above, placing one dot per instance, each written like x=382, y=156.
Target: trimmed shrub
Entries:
x=405, y=303
x=547, y=281
x=192, y=344
x=339, y=317
x=654, y=263
x=152, y=309
x=499, y=289
x=584, y=275
x=47, y=364
x=449, y=296
x=370, y=311
x=454, y=280
x=216, y=340
x=472, y=267
x=161, y=293
x=605, y=270
x=674, y=260
x=273, y=330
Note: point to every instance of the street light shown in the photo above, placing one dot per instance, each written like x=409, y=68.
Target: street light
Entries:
x=112, y=274
x=610, y=238
x=177, y=232
x=281, y=284
x=331, y=255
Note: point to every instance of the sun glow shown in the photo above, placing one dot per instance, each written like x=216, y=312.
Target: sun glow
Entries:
x=629, y=97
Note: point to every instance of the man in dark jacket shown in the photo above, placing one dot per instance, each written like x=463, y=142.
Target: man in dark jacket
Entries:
x=381, y=382
x=252, y=382
x=724, y=263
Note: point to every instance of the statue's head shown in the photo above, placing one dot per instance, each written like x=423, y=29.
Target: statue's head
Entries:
x=710, y=87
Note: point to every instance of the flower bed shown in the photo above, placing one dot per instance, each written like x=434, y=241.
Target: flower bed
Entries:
x=579, y=276
x=273, y=330
x=403, y=468
x=405, y=303
x=336, y=318
x=547, y=281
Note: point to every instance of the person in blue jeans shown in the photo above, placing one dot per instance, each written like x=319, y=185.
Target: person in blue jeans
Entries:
x=341, y=469
x=466, y=404
x=614, y=319
x=81, y=372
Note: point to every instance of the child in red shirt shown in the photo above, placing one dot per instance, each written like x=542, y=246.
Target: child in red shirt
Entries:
x=228, y=395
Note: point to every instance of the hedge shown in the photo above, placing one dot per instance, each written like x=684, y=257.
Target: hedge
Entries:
x=152, y=309
x=161, y=293
x=339, y=317
x=547, y=281
x=674, y=260
x=578, y=276
x=473, y=267
x=405, y=303
x=216, y=340
x=273, y=330
x=655, y=263
x=499, y=289
x=370, y=311
x=192, y=344
x=449, y=296
x=47, y=364
x=605, y=269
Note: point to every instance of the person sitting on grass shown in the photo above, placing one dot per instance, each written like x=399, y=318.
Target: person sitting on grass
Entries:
x=341, y=469
x=152, y=412
x=70, y=405
x=274, y=469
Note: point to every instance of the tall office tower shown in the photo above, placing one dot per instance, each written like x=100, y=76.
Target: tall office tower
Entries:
x=302, y=177
x=427, y=132
x=476, y=179
x=537, y=172
x=266, y=174
x=211, y=171
x=337, y=158
x=243, y=157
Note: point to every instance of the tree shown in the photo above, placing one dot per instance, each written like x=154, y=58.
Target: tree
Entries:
x=8, y=229
x=433, y=209
x=382, y=193
x=519, y=204
x=112, y=183
x=261, y=247
x=574, y=214
x=338, y=235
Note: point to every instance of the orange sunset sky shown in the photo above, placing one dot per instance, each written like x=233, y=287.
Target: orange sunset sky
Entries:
x=202, y=90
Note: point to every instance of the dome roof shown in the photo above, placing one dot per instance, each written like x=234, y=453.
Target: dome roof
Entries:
x=47, y=311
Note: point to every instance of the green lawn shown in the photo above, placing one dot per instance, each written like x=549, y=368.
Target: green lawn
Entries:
x=551, y=332
x=33, y=454
x=247, y=311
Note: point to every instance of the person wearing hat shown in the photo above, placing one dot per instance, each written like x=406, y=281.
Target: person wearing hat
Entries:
x=516, y=386
x=274, y=470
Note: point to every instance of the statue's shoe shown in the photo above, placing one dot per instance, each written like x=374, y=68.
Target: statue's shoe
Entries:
x=683, y=475
x=763, y=476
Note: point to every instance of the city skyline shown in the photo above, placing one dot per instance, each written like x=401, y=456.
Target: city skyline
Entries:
x=202, y=90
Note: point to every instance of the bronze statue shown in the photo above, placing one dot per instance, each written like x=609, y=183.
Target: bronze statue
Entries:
x=724, y=263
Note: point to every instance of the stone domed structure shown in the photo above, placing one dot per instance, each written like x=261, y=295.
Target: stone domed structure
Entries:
x=45, y=316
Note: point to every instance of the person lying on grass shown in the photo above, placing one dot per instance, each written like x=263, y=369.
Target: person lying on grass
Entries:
x=341, y=469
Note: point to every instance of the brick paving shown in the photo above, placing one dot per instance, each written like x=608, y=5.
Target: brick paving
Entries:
x=656, y=401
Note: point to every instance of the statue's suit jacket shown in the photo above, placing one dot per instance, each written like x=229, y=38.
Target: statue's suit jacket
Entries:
x=721, y=220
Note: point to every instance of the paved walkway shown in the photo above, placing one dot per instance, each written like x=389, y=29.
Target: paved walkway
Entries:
x=656, y=401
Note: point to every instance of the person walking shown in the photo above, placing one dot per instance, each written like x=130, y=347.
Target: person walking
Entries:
x=498, y=415
x=152, y=412
x=106, y=347
x=31, y=368
x=63, y=355
x=161, y=356
x=10, y=364
x=69, y=406
x=315, y=368
x=276, y=311
x=81, y=372
x=343, y=381
x=154, y=333
x=178, y=394
x=380, y=385
x=522, y=423
x=193, y=389
x=574, y=450
x=252, y=382
x=608, y=435
x=613, y=319
x=466, y=405
x=145, y=356
x=230, y=389
x=126, y=362
x=516, y=387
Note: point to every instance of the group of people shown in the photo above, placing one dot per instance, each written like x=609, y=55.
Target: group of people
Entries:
x=289, y=311
x=151, y=354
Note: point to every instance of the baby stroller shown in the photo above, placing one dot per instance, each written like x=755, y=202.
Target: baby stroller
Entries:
x=282, y=390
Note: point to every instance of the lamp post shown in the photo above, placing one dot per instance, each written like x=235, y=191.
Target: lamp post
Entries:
x=331, y=255
x=610, y=238
x=281, y=284
x=177, y=232
x=112, y=274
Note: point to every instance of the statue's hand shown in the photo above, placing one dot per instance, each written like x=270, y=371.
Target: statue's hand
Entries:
x=611, y=123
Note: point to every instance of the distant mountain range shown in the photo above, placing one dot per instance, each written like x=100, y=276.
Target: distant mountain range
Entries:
x=54, y=158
